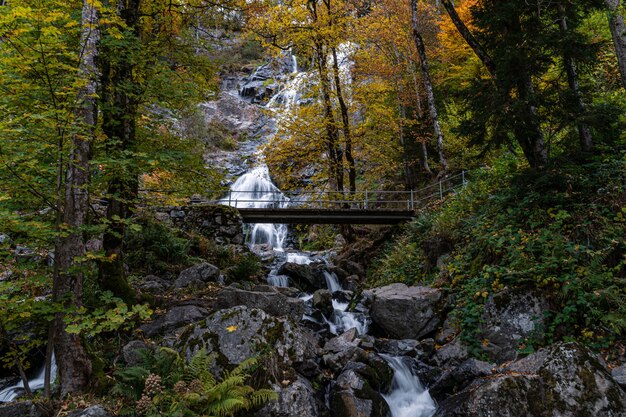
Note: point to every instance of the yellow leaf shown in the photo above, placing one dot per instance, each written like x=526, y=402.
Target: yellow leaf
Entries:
x=231, y=328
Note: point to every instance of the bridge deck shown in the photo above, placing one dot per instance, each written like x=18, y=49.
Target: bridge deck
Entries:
x=324, y=216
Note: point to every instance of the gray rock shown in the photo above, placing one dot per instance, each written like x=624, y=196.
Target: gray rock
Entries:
x=405, y=347
x=130, y=351
x=357, y=394
x=93, y=411
x=266, y=298
x=153, y=284
x=342, y=342
x=508, y=319
x=458, y=378
x=19, y=409
x=619, y=375
x=448, y=330
x=298, y=398
x=562, y=380
x=336, y=361
x=238, y=333
x=175, y=318
x=403, y=312
x=5, y=239
x=451, y=354
x=323, y=301
x=305, y=277
x=197, y=276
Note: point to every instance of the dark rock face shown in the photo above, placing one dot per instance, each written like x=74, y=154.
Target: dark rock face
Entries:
x=296, y=399
x=197, y=276
x=306, y=277
x=259, y=85
x=451, y=354
x=238, y=333
x=271, y=300
x=94, y=411
x=619, y=375
x=564, y=379
x=508, y=319
x=403, y=312
x=153, y=284
x=323, y=301
x=357, y=391
x=19, y=409
x=130, y=352
x=459, y=377
x=405, y=347
x=175, y=317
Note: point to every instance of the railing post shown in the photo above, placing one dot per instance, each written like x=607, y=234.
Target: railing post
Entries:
x=412, y=201
x=365, y=203
x=463, y=177
x=229, y=194
x=440, y=190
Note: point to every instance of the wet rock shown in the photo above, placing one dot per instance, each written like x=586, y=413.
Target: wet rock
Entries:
x=238, y=333
x=336, y=361
x=405, y=347
x=451, y=354
x=305, y=277
x=19, y=409
x=342, y=342
x=323, y=301
x=354, y=393
x=508, y=319
x=296, y=399
x=269, y=300
x=93, y=411
x=403, y=312
x=197, y=276
x=458, y=378
x=564, y=379
x=130, y=352
x=619, y=375
x=175, y=317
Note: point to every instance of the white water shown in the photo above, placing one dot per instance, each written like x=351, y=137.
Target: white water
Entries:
x=278, y=280
x=37, y=383
x=332, y=282
x=408, y=397
x=298, y=258
x=254, y=189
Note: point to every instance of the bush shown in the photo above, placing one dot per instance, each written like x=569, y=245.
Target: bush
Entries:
x=245, y=268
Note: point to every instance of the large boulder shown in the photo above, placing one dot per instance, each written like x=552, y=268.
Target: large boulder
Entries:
x=402, y=312
x=19, y=409
x=306, y=277
x=564, y=379
x=93, y=411
x=458, y=378
x=298, y=398
x=174, y=318
x=197, y=276
x=357, y=391
x=509, y=318
x=239, y=333
x=266, y=298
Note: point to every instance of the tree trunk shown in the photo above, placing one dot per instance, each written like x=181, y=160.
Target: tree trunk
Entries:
x=618, y=32
x=420, y=115
x=584, y=133
x=345, y=118
x=428, y=86
x=74, y=364
x=119, y=94
x=335, y=155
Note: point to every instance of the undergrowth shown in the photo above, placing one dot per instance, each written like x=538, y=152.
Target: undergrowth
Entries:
x=559, y=231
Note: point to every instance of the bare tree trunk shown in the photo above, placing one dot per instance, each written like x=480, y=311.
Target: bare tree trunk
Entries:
x=428, y=85
x=420, y=115
x=618, y=32
x=74, y=364
x=584, y=133
x=345, y=118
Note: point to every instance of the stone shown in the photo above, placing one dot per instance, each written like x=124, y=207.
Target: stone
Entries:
x=342, y=342
x=336, y=361
x=19, y=409
x=619, y=375
x=93, y=411
x=458, y=378
x=323, y=301
x=405, y=347
x=5, y=239
x=266, y=298
x=296, y=399
x=354, y=395
x=174, y=318
x=508, y=319
x=153, y=284
x=451, y=354
x=303, y=276
x=197, y=276
x=402, y=312
x=130, y=351
x=239, y=333
x=564, y=379
x=447, y=332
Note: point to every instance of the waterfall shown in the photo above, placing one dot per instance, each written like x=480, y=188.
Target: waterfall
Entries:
x=294, y=63
x=332, y=282
x=342, y=320
x=254, y=189
x=37, y=383
x=408, y=397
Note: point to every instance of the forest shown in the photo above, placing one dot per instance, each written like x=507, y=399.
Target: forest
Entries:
x=123, y=270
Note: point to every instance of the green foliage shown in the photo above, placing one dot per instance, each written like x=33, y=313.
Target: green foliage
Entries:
x=155, y=248
x=163, y=382
x=245, y=267
x=559, y=232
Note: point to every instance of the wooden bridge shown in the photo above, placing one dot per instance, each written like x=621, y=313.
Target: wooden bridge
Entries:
x=312, y=207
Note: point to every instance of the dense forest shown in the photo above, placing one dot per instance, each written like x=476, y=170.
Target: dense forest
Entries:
x=116, y=116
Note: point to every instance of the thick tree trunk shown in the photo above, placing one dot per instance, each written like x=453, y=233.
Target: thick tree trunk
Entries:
x=335, y=155
x=584, y=133
x=74, y=364
x=618, y=32
x=345, y=119
x=420, y=115
x=428, y=86
x=119, y=124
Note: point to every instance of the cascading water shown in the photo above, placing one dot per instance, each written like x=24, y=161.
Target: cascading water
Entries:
x=408, y=397
x=341, y=319
x=37, y=383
